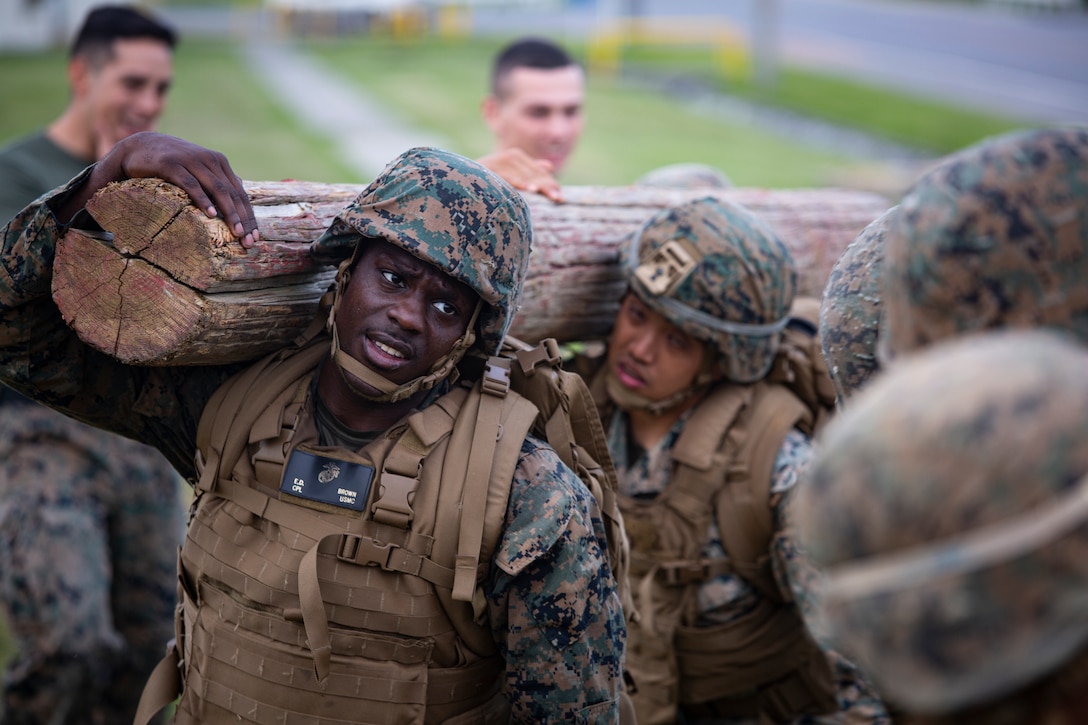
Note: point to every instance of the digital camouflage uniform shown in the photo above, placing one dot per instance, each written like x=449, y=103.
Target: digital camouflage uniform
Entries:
x=735, y=297
x=89, y=529
x=550, y=598
x=947, y=505
x=995, y=236
x=850, y=309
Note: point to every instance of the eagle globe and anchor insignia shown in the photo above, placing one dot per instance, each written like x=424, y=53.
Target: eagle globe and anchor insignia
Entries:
x=322, y=479
x=329, y=472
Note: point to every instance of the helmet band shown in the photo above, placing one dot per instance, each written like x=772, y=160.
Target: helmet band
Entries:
x=971, y=551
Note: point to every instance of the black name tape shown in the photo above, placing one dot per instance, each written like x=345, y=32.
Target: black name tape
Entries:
x=327, y=480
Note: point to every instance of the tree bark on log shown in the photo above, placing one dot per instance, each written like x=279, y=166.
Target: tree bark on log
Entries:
x=164, y=284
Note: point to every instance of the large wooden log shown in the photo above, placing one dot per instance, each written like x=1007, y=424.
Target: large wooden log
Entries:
x=166, y=285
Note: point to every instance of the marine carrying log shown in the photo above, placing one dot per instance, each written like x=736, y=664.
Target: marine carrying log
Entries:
x=164, y=284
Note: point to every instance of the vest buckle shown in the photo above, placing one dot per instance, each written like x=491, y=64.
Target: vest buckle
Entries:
x=364, y=551
x=394, y=507
x=496, y=378
x=680, y=573
x=547, y=352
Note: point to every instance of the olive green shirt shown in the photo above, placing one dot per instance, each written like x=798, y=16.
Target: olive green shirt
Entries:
x=31, y=166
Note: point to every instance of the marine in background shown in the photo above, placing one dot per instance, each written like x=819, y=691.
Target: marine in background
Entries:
x=89, y=522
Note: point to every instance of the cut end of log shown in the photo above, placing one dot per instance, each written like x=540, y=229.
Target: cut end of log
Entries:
x=122, y=306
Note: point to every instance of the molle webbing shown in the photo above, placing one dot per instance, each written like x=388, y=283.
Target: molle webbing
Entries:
x=236, y=652
x=762, y=647
x=325, y=583
x=765, y=661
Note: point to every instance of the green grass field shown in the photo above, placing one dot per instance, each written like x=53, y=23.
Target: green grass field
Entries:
x=437, y=84
x=214, y=102
x=629, y=130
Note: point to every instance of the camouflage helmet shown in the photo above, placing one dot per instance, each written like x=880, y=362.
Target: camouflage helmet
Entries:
x=686, y=176
x=948, y=509
x=716, y=271
x=995, y=236
x=452, y=212
x=850, y=309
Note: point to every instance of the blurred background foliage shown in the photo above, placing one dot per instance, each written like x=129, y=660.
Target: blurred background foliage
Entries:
x=646, y=108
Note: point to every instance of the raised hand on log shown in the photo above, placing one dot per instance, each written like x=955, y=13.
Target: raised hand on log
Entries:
x=203, y=174
x=525, y=173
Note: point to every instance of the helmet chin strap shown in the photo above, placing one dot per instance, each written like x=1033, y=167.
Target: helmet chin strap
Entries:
x=352, y=370
x=628, y=400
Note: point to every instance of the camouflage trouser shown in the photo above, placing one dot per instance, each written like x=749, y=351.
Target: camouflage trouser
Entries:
x=89, y=528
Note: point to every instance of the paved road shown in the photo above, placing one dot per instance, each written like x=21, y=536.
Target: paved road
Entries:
x=367, y=134
x=1028, y=65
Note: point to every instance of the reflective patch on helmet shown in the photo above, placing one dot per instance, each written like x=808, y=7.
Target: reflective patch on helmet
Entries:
x=668, y=266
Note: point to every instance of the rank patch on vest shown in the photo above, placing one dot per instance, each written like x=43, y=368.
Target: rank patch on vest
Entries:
x=327, y=480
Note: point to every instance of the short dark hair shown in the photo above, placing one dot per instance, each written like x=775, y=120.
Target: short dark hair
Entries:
x=108, y=23
x=529, y=52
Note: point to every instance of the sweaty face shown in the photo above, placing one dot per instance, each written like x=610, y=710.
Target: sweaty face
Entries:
x=127, y=93
x=649, y=355
x=399, y=315
x=540, y=112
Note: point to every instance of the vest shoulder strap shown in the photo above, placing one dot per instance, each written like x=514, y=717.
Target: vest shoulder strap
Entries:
x=726, y=454
x=564, y=415
x=570, y=422
x=744, y=513
x=229, y=417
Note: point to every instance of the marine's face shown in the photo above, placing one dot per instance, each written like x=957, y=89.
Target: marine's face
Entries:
x=539, y=111
x=399, y=315
x=127, y=93
x=649, y=355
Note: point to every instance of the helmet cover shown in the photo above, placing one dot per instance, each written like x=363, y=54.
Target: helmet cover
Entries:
x=719, y=273
x=850, y=309
x=452, y=212
x=995, y=236
x=948, y=508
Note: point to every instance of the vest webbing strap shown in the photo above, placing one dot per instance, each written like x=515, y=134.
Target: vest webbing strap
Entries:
x=706, y=458
x=163, y=687
x=224, y=436
x=399, y=480
x=495, y=384
x=314, y=618
x=744, y=515
x=403, y=461
x=682, y=573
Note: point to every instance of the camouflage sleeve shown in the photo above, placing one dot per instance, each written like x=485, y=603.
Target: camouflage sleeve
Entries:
x=552, y=598
x=858, y=699
x=42, y=358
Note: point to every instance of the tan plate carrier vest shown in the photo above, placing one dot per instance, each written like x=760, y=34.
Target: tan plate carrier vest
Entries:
x=764, y=664
x=300, y=612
